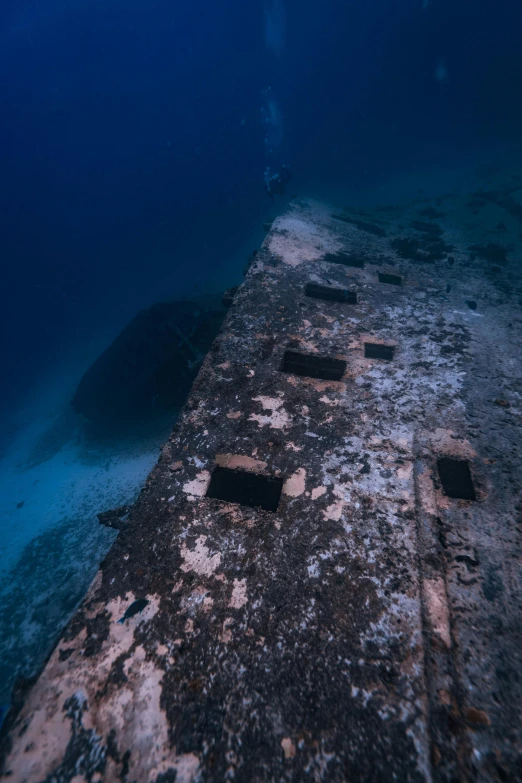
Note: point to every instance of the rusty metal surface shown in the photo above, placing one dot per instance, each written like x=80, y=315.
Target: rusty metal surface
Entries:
x=368, y=630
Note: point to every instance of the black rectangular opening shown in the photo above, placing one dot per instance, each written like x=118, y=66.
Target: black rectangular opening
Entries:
x=378, y=351
x=247, y=489
x=330, y=293
x=455, y=477
x=346, y=259
x=313, y=366
x=390, y=279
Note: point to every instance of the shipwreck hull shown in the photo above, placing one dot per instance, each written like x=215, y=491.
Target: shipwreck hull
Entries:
x=321, y=603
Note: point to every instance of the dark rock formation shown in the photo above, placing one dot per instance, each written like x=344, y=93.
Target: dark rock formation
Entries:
x=228, y=296
x=150, y=366
x=114, y=518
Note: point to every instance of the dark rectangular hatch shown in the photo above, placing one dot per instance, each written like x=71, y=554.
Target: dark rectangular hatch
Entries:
x=378, y=351
x=455, y=477
x=245, y=488
x=313, y=366
x=330, y=293
x=390, y=279
x=346, y=259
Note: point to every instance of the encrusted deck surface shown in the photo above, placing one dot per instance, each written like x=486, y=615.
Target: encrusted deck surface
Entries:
x=368, y=630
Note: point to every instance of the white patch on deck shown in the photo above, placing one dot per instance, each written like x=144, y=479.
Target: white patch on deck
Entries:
x=328, y=400
x=295, y=484
x=313, y=568
x=278, y=418
x=404, y=472
x=240, y=461
x=335, y=510
x=151, y=740
x=198, y=487
x=132, y=711
x=427, y=493
x=318, y=492
x=292, y=447
x=437, y=604
x=446, y=442
x=302, y=240
x=239, y=594
x=199, y=559
x=288, y=748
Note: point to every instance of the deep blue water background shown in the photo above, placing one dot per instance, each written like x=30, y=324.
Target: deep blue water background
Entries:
x=131, y=171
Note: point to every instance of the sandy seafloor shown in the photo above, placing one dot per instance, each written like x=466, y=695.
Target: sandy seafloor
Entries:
x=54, y=478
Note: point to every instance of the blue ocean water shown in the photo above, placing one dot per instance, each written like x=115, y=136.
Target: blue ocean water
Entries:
x=134, y=139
